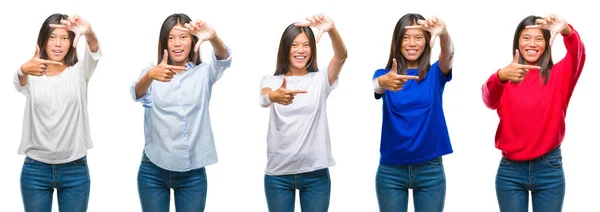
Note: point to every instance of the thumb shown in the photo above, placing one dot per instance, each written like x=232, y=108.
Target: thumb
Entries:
x=284, y=84
x=76, y=40
x=516, y=57
x=394, y=68
x=165, y=57
x=319, y=35
x=552, y=36
x=432, y=41
x=37, y=51
x=197, y=47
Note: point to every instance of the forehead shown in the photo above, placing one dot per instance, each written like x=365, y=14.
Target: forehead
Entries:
x=532, y=32
x=413, y=32
x=301, y=37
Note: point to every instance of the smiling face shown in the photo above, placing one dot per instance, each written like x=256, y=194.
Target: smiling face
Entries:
x=300, y=52
x=179, y=46
x=532, y=45
x=58, y=45
x=412, y=47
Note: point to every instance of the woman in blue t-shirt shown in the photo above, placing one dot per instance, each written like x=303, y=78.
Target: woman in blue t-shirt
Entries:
x=414, y=136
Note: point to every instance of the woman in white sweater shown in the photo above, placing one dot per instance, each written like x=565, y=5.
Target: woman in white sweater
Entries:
x=56, y=133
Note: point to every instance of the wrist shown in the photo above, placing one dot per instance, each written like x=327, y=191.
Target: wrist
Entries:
x=500, y=76
x=20, y=73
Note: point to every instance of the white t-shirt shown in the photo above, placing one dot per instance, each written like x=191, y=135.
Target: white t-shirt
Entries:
x=55, y=125
x=298, y=135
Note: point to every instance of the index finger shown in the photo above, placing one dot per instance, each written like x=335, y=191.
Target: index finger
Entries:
x=181, y=28
x=294, y=92
x=414, y=27
x=529, y=67
x=180, y=68
x=49, y=62
x=535, y=26
x=302, y=24
x=408, y=77
x=58, y=26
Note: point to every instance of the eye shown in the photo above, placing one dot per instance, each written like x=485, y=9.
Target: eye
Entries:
x=65, y=39
x=51, y=37
x=525, y=38
x=419, y=38
x=306, y=45
x=294, y=45
x=184, y=37
x=170, y=38
x=405, y=38
x=540, y=39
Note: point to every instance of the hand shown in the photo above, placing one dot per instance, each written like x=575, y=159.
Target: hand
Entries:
x=164, y=72
x=553, y=23
x=36, y=66
x=322, y=22
x=75, y=24
x=393, y=81
x=284, y=96
x=515, y=72
x=201, y=30
x=434, y=25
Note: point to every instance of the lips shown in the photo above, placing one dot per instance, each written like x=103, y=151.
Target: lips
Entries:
x=178, y=52
x=531, y=52
x=300, y=58
x=412, y=51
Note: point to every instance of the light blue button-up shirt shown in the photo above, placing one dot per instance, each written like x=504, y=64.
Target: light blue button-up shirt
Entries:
x=176, y=120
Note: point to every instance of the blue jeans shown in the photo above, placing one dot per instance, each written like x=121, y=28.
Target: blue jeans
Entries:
x=427, y=180
x=314, y=187
x=71, y=181
x=543, y=176
x=155, y=184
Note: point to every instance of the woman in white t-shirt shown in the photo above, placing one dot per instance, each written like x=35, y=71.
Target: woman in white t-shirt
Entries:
x=56, y=132
x=299, y=150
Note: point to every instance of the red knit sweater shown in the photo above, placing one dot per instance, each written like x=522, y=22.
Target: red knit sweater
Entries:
x=532, y=114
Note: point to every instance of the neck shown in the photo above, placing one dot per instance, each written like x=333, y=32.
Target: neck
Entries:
x=297, y=72
x=412, y=64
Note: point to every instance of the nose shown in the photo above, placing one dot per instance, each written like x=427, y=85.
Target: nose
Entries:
x=531, y=42
x=57, y=42
x=178, y=42
x=412, y=42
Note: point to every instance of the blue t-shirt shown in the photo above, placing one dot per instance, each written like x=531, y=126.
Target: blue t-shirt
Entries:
x=414, y=127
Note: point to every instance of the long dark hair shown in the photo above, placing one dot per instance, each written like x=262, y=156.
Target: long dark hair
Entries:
x=163, y=39
x=396, y=51
x=46, y=31
x=545, y=61
x=285, y=45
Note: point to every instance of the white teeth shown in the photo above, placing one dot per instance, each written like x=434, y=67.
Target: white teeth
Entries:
x=531, y=52
x=299, y=57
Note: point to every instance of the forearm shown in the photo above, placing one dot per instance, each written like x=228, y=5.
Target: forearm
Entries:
x=491, y=91
x=23, y=78
x=92, y=40
x=339, y=48
x=446, y=52
x=219, y=48
x=141, y=87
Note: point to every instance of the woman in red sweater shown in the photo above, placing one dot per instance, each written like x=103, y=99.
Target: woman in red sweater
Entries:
x=531, y=96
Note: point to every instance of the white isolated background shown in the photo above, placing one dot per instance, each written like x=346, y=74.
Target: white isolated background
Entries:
x=482, y=32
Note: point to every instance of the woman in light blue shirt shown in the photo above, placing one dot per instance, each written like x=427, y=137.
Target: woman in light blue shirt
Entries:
x=175, y=95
